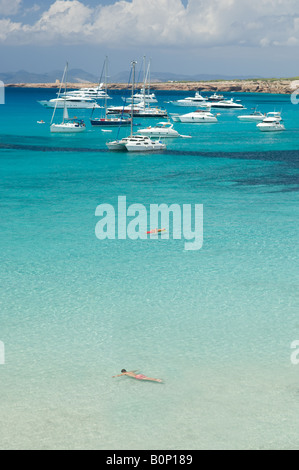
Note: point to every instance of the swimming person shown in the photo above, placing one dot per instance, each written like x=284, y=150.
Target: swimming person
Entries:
x=133, y=374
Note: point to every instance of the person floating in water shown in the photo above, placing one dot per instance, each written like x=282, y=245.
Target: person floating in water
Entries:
x=133, y=374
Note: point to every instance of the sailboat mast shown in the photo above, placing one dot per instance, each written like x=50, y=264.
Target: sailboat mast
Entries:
x=106, y=88
x=65, y=88
x=133, y=85
x=59, y=93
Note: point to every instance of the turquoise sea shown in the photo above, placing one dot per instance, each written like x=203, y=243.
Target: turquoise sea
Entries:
x=215, y=324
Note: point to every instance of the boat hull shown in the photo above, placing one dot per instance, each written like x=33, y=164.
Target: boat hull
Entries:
x=278, y=128
x=65, y=129
x=70, y=105
x=198, y=120
x=159, y=135
x=142, y=147
x=251, y=119
x=109, y=122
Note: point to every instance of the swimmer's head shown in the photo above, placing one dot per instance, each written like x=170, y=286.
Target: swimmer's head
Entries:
x=123, y=371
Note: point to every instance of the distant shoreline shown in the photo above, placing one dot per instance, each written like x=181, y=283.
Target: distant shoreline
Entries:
x=242, y=86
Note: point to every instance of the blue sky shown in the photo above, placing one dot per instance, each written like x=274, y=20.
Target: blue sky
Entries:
x=225, y=37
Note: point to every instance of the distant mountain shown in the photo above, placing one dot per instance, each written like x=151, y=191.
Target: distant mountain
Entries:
x=22, y=76
x=78, y=75
x=123, y=77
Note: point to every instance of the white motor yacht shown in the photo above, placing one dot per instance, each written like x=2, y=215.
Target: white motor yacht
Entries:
x=142, y=97
x=272, y=123
x=216, y=97
x=139, y=109
x=71, y=102
x=96, y=93
x=162, y=129
x=198, y=116
x=190, y=100
x=227, y=104
x=254, y=116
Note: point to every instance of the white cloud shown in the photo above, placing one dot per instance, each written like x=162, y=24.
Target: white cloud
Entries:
x=9, y=7
x=126, y=23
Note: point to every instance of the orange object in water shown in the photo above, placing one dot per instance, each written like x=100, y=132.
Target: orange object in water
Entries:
x=156, y=230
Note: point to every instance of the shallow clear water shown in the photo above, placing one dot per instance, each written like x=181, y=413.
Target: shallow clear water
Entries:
x=215, y=324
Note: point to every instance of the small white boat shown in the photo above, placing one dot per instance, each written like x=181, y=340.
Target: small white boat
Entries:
x=162, y=129
x=144, y=96
x=216, y=97
x=227, y=104
x=198, y=116
x=272, y=123
x=67, y=125
x=147, y=111
x=255, y=116
x=149, y=98
x=190, y=100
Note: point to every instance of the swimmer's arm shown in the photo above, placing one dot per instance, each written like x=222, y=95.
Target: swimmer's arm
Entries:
x=125, y=373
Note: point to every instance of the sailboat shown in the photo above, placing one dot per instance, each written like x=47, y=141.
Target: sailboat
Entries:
x=105, y=120
x=135, y=143
x=67, y=125
x=141, y=102
x=144, y=96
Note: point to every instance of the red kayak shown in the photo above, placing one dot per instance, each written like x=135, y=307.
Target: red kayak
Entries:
x=156, y=230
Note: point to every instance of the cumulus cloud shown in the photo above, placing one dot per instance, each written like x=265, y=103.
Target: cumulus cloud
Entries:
x=9, y=7
x=126, y=23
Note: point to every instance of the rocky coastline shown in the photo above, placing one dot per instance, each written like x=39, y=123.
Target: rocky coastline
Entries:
x=243, y=86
